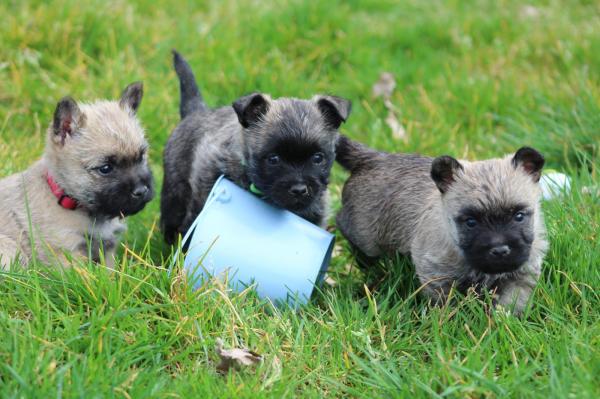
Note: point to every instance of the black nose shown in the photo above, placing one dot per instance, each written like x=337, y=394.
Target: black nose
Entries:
x=139, y=191
x=500, y=251
x=299, y=190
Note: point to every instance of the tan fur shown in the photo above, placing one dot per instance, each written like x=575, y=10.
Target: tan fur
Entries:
x=33, y=223
x=25, y=200
x=434, y=245
x=109, y=128
x=393, y=203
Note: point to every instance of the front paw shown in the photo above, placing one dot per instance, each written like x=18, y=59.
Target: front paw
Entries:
x=513, y=297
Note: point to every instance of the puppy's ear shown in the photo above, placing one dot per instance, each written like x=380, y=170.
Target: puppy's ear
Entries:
x=531, y=161
x=68, y=119
x=335, y=110
x=132, y=96
x=443, y=172
x=251, y=108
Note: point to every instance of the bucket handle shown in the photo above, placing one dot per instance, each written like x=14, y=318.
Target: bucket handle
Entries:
x=215, y=196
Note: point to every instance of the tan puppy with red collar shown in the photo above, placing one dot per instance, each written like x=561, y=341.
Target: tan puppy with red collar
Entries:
x=93, y=172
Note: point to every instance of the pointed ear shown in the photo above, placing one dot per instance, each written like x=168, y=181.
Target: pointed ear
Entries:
x=443, y=172
x=132, y=96
x=250, y=108
x=531, y=161
x=68, y=118
x=335, y=110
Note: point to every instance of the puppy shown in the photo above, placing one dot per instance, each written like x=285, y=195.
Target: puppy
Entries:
x=93, y=172
x=470, y=224
x=282, y=149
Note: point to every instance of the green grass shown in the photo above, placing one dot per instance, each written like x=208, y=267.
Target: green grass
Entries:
x=475, y=79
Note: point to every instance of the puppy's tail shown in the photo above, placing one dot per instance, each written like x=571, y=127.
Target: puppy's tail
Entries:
x=191, y=99
x=352, y=154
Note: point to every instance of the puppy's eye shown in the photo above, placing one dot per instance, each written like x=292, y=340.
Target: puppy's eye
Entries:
x=105, y=169
x=318, y=158
x=519, y=217
x=471, y=222
x=273, y=159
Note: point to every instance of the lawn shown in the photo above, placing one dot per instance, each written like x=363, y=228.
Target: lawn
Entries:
x=475, y=79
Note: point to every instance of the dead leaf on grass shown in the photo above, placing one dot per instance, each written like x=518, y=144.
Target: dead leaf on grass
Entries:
x=529, y=11
x=384, y=88
x=235, y=358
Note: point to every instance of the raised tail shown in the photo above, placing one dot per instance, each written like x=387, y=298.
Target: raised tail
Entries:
x=352, y=154
x=191, y=99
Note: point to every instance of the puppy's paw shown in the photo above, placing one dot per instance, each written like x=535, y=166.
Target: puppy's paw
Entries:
x=501, y=309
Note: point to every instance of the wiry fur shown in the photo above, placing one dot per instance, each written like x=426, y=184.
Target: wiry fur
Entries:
x=81, y=138
x=391, y=204
x=237, y=140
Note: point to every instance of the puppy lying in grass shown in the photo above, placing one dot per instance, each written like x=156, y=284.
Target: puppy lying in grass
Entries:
x=94, y=171
x=466, y=224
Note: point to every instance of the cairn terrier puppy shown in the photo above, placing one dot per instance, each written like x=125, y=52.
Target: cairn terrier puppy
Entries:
x=93, y=172
x=475, y=225
x=282, y=149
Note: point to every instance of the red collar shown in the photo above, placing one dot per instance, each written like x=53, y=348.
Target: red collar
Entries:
x=63, y=199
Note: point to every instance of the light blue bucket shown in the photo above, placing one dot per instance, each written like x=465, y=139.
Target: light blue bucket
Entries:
x=254, y=242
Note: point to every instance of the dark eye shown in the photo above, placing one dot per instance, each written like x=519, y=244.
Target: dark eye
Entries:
x=471, y=222
x=519, y=217
x=105, y=169
x=318, y=158
x=273, y=160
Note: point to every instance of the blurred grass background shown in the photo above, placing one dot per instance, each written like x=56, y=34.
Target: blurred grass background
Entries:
x=474, y=79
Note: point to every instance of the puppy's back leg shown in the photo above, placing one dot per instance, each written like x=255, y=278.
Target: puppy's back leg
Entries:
x=363, y=240
x=9, y=250
x=174, y=203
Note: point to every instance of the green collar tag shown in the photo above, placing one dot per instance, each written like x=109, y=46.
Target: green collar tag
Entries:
x=255, y=190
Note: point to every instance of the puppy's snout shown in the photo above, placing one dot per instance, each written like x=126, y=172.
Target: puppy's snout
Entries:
x=140, y=191
x=500, y=251
x=299, y=190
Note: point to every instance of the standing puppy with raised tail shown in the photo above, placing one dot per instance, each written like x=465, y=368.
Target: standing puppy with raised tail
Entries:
x=466, y=224
x=93, y=173
x=283, y=149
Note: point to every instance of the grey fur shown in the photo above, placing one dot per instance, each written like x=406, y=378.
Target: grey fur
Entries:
x=231, y=141
x=391, y=203
x=190, y=98
x=132, y=96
